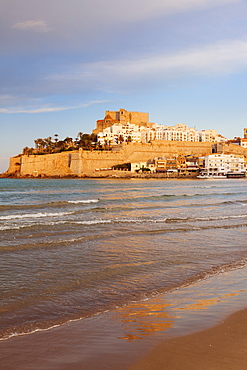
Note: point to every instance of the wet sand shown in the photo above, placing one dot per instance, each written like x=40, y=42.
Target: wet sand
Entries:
x=179, y=330
x=223, y=347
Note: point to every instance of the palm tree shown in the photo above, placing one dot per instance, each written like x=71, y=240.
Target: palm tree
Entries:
x=25, y=150
x=48, y=144
x=30, y=151
x=40, y=144
x=78, y=138
x=56, y=139
x=79, y=135
x=68, y=142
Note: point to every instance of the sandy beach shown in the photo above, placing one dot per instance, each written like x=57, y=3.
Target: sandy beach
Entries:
x=104, y=275
x=202, y=326
x=223, y=347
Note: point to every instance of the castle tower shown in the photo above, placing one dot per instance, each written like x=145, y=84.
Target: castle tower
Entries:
x=122, y=116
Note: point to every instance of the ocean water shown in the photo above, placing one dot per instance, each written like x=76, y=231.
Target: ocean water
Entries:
x=72, y=249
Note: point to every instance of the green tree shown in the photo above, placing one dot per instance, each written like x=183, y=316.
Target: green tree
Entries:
x=48, y=144
x=40, y=145
x=68, y=142
x=25, y=150
x=56, y=139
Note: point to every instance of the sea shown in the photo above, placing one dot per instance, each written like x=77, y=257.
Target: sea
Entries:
x=72, y=249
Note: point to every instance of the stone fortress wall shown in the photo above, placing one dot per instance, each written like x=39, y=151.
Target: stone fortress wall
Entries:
x=92, y=163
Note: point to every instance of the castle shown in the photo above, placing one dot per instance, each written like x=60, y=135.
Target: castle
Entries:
x=122, y=117
x=124, y=126
x=101, y=163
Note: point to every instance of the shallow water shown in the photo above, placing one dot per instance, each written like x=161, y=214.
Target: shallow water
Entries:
x=71, y=249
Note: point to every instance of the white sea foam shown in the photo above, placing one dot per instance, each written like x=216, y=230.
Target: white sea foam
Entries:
x=93, y=222
x=29, y=332
x=220, y=217
x=34, y=215
x=84, y=201
x=116, y=220
x=2, y=228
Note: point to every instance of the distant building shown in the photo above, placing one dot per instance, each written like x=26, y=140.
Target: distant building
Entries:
x=122, y=117
x=160, y=165
x=118, y=133
x=243, y=142
x=142, y=167
x=184, y=165
x=179, y=132
x=223, y=164
x=129, y=132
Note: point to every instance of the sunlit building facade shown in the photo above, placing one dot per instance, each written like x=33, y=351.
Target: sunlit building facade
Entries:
x=223, y=164
x=129, y=132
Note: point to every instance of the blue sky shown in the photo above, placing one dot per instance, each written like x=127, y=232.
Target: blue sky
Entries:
x=63, y=63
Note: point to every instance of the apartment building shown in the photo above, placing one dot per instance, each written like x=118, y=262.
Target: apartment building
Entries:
x=119, y=132
x=220, y=165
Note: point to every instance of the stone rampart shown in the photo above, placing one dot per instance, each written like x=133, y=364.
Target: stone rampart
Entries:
x=89, y=163
x=231, y=149
x=14, y=165
x=48, y=164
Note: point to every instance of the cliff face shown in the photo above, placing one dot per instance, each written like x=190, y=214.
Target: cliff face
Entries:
x=86, y=163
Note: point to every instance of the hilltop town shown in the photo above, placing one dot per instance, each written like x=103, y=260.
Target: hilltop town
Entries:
x=126, y=144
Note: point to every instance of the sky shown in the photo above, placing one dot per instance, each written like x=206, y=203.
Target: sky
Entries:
x=63, y=63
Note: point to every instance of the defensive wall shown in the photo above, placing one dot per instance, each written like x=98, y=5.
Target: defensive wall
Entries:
x=14, y=165
x=90, y=163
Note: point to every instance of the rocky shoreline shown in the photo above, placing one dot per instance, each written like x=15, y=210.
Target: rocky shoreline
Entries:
x=123, y=175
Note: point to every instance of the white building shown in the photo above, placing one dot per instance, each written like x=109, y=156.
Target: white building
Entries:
x=179, y=132
x=223, y=164
x=118, y=133
x=243, y=142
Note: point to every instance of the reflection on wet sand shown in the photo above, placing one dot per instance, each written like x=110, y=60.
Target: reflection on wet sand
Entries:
x=165, y=314
x=140, y=319
x=116, y=339
x=203, y=304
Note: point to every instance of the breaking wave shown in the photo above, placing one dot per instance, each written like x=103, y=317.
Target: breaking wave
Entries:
x=35, y=215
x=85, y=201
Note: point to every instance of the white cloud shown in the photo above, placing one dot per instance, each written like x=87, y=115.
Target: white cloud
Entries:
x=74, y=25
x=73, y=17
x=49, y=109
x=38, y=26
x=36, y=110
x=216, y=59
x=147, y=9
